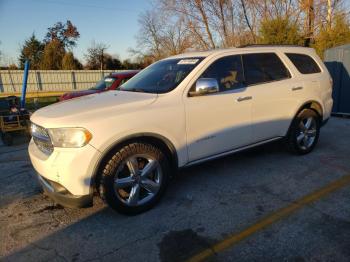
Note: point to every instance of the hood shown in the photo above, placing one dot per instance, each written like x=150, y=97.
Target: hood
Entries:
x=78, y=93
x=75, y=112
x=83, y=92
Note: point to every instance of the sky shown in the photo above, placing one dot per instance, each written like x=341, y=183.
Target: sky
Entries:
x=113, y=22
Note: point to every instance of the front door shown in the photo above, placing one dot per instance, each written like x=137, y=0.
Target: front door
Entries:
x=219, y=122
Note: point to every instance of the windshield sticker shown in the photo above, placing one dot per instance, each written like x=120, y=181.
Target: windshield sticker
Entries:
x=187, y=61
x=108, y=79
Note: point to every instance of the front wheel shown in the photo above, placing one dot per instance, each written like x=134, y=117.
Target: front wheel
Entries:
x=304, y=132
x=134, y=178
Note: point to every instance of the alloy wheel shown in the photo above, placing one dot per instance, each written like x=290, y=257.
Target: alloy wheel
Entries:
x=138, y=180
x=307, y=132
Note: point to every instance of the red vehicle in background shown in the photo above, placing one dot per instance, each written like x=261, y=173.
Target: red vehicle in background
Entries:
x=111, y=82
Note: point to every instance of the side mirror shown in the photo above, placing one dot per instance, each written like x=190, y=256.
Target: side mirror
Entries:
x=205, y=86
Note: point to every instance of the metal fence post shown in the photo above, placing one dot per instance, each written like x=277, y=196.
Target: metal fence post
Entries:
x=74, y=84
x=24, y=85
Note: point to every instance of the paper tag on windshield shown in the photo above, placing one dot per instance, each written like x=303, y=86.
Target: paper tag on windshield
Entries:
x=187, y=61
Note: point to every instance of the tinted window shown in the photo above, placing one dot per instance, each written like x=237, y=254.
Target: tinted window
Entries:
x=124, y=80
x=264, y=67
x=227, y=71
x=304, y=63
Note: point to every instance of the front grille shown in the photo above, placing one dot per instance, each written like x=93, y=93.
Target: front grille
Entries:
x=41, y=138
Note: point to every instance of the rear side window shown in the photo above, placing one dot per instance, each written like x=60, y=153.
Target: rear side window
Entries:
x=263, y=67
x=304, y=63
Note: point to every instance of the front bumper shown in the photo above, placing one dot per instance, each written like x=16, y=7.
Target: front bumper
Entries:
x=68, y=172
x=61, y=195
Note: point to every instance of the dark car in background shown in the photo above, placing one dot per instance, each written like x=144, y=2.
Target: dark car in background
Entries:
x=110, y=82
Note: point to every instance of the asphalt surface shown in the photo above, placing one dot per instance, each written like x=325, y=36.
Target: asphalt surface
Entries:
x=205, y=206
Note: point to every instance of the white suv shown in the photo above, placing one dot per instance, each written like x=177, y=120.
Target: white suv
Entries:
x=179, y=111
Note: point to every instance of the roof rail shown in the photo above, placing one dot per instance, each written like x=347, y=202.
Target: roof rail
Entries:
x=267, y=45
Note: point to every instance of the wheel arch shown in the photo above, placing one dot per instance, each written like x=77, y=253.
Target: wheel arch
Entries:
x=158, y=140
x=311, y=104
x=315, y=106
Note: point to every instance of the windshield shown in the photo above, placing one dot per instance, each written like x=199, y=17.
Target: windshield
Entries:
x=104, y=83
x=161, y=77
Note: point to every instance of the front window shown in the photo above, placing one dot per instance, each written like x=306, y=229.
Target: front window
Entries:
x=227, y=71
x=161, y=77
x=104, y=83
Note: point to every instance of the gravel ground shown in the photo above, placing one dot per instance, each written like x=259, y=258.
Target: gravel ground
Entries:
x=204, y=205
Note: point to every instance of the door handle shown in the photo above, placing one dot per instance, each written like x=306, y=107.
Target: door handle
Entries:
x=297, y=88
x=240, y=99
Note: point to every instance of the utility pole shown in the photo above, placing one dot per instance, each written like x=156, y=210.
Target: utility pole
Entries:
x=101, y=60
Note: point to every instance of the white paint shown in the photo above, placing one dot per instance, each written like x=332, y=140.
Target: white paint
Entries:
x=198, y=127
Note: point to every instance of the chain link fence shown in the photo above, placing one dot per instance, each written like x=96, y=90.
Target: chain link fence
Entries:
x=50, y=80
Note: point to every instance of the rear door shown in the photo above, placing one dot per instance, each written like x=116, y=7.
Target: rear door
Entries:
x=274, y=94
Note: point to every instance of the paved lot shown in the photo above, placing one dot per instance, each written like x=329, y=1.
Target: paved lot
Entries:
x=260, y=205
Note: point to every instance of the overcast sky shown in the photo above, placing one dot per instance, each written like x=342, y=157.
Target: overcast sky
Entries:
x=113, y=22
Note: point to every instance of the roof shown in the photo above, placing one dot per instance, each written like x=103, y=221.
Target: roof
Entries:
x=285, y=48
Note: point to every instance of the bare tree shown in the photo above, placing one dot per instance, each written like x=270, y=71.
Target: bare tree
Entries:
x=180, y=25
x=95, y=55
x=247, y=19
x=308, y=6
x=161, y=36
x=196, y=17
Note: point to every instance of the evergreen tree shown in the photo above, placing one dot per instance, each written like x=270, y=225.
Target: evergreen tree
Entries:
x=69, y=62
x=32, y=50
x=53, y=55
x=111, y=63
x=279, y=31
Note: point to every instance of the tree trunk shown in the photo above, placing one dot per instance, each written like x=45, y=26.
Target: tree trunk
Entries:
x=309, y=22
x=223, y=22
x=329, y=13
x=247, y=19
x=200, y=7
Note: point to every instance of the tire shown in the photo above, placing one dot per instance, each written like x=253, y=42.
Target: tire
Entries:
x=134, y=178
x=7, y=139
x=304, y=132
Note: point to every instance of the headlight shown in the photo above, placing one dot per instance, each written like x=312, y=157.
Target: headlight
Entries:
x=69, y=137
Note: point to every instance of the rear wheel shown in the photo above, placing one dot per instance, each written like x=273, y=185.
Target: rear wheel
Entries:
x=134, y=178
x=304, y=132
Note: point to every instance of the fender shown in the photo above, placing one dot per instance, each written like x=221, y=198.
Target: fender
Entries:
x=161, y=140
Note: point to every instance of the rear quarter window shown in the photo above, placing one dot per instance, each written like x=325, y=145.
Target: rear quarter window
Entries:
x=304, y=63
